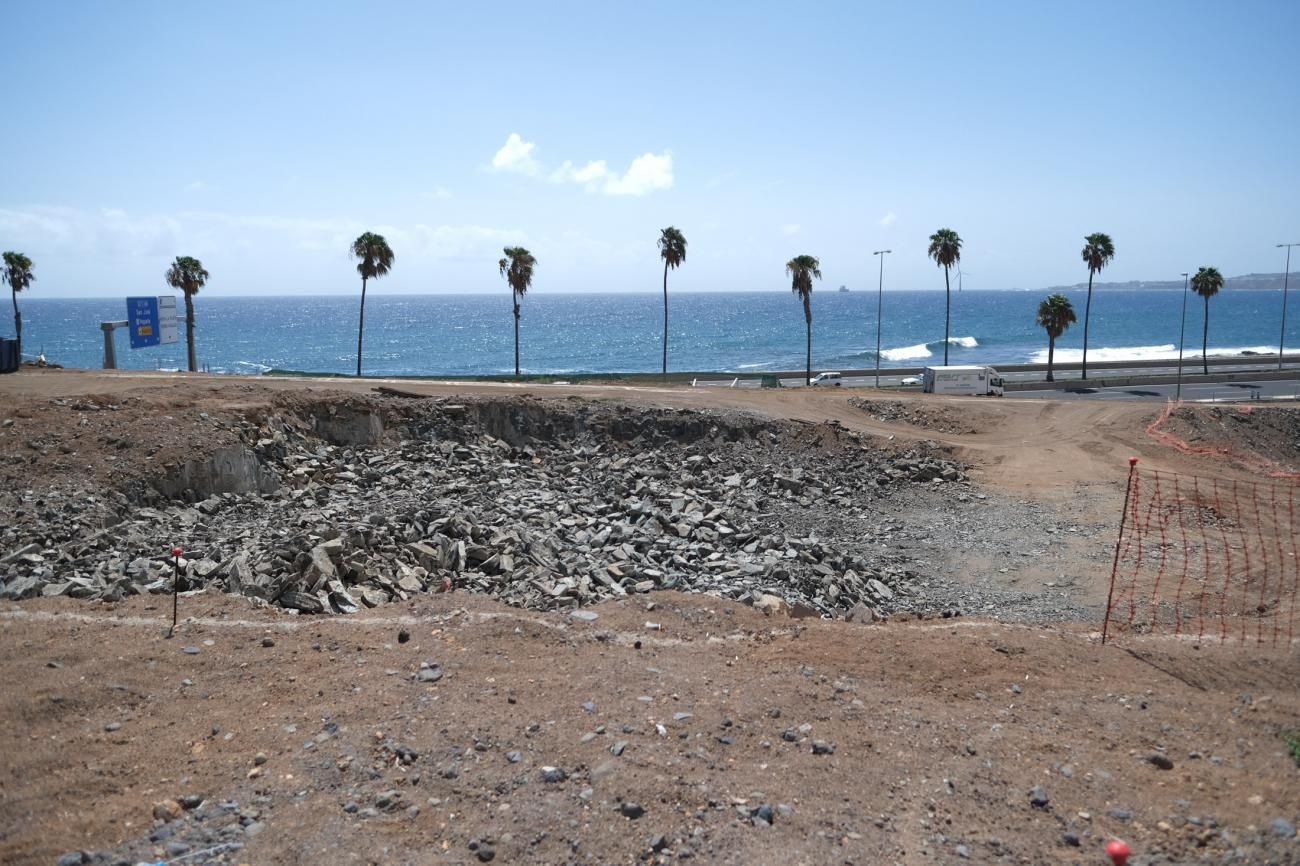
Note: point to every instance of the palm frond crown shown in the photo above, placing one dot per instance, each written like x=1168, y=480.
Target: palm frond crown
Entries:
x=945, y=248
x=1056, y=314
x=18, y=271
x=517, y=267
x=802, y=270
x=1098, y=250
x=1207, y=282
x=672, y=246
x=187, y=274
x=374, y=254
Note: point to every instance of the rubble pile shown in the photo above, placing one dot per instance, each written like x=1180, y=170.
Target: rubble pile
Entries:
x=542, y=506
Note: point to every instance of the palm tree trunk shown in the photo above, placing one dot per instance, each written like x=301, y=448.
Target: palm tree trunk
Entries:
x=947, y=312
x=361, y=324
x=516, y=336
x=807, y=315
x=18, y=327
x=1087, y=310
x=1205, y=340
x=665, y=318
x=1051, y=353
x=189, y=331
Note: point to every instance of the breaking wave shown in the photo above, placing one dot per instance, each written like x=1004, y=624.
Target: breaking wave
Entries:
x=1164, y=352
x=923, y=350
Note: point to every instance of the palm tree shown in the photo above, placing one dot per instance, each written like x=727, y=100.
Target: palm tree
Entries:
x=517, y=267
x=188, y=275
x=945, y=249
x=1207, y=283
x=802, y=269
x=375, y=259
x=18, y=274
x=1098, y=250
x=672, y=248
x=1055, y=314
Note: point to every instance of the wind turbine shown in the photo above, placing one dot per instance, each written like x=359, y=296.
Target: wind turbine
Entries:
x=959, y=275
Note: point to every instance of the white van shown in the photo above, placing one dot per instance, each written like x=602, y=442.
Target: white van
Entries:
x=827, y=379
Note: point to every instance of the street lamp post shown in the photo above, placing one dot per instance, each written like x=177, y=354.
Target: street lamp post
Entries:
x=1286, y=278
x=880, y=301
x=1182, y=329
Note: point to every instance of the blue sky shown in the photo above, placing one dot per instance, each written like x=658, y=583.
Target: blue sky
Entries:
x=263, y=137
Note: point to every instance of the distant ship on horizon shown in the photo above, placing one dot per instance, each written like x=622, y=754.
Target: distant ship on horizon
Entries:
x=844, y=288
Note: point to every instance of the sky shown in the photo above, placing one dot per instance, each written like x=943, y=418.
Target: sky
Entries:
x=262, y=138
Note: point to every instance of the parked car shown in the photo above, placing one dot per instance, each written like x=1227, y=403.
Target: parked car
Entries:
x=829, y=378
x=910, y=380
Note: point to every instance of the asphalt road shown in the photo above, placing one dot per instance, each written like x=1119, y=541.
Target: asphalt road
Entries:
x=1207, y=391
x=1224, y=391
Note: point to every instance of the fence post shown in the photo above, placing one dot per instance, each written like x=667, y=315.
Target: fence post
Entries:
x=1114, y=568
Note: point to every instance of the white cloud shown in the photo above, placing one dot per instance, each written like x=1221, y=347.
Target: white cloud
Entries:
x=516, y=155
x=790, y=229
x=647, y=173
x=888, y=220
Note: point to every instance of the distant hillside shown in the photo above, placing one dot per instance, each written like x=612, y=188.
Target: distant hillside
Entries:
x=1249, y=281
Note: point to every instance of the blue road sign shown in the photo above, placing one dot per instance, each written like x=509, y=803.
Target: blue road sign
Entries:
x=142, y=313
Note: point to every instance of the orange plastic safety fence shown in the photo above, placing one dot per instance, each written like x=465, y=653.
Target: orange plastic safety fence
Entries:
x=1207, y=559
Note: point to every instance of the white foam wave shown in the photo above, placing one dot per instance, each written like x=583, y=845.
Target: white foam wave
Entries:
x=1165, y=352
x=923, y=350
x=260, y=368
x=753, y=366
x=907, y=353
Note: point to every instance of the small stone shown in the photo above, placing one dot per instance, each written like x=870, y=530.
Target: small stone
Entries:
x=789, y=735
x=1160, y=762
x=584, y=615
x=403, y=636
x=167, y=810
x=658, y=842
x=1072, y=840
x=191, y=650
x=618, y=747
x=1121, y=814
x=268, y=642
x=1038, y=797
x=113, y=726
x=254, y=828
x=72, y=858
x=589, y=707
x=191, y=801
x=821, y=747
x=553, y=775
x=631, y=810
x=485, y=853
x=429, y=674
x=259, y=759
x=682, y=717
x=963, y=852
x=1282, y=827
x=351, y=807
x=762, y=815
x=514, y=757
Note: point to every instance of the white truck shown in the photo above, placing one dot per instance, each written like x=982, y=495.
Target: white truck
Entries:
x=969, y=379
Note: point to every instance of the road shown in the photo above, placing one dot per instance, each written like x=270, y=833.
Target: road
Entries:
x=1192, y=392
x=1203, y=391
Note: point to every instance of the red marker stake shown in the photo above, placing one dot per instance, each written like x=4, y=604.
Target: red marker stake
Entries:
x=176, y=582
x=1118, y=852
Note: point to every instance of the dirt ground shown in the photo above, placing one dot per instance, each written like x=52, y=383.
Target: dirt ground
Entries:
x=679, y=727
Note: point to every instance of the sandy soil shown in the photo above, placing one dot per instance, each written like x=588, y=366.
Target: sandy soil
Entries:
x=948, y=740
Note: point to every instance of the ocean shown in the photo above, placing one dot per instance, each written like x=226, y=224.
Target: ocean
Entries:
x=740, y=332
